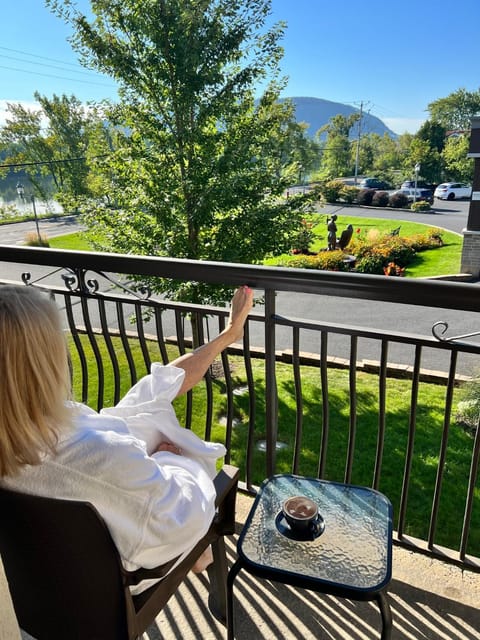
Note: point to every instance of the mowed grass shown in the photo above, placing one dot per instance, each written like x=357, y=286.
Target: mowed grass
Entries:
x=72, y=241
x=435, y=262
x=442, y=261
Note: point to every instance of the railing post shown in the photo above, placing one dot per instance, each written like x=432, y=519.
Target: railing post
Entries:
x=271, y=398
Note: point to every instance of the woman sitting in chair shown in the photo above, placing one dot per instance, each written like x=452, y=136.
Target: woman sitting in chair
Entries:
x=149, y=478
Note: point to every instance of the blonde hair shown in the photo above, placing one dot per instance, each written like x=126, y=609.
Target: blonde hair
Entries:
x=34, y=377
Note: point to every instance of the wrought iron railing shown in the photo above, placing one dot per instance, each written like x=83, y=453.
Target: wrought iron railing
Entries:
x=272, y=378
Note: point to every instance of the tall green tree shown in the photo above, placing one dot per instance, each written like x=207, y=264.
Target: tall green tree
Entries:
x=428, y=158
x=456, y=110
x=457, y=165
x=52, y=141
x=337, y=160
x=200, y=164
x=434, y=133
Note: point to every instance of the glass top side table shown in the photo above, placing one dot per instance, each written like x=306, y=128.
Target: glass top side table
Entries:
x=352, y=558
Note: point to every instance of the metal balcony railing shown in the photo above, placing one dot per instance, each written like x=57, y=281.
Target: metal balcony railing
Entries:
x=305, y=372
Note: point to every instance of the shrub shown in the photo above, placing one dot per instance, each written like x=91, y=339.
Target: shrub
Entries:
x=33, y=240
x=420, y=205
x=349, y=193
x=325, y=260
x=400, y=251
x=373, y=258
x=431, y=239
x=365, y=196
x=380, y=199
x=8, y=211
x=331, y=190
x=468, y=408
x=398, y=201
x=301, y=241
x=370, y=262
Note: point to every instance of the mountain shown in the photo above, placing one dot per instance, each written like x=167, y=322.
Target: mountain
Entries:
x=316, y=112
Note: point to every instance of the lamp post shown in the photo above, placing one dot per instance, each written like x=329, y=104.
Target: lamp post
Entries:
x=417, y=171
x=21, y=193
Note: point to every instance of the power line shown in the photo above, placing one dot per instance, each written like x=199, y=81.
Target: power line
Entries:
x=83, y=71
x=36, y=55
x=49, y=75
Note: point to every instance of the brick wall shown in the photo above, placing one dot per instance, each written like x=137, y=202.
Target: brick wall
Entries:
x=471, y=253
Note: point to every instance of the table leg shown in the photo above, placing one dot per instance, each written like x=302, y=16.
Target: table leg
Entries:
x=386, y=614
x=232, y=574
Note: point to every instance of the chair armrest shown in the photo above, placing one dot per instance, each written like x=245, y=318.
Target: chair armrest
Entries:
x=225, y=481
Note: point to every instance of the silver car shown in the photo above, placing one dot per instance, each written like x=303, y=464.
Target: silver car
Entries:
x=452, y=191
x=416, y=195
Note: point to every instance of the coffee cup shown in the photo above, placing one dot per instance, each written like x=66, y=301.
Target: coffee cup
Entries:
x=301, y=514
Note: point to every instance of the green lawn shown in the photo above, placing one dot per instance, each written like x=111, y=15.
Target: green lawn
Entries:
x=72, y=241
x=442, y=261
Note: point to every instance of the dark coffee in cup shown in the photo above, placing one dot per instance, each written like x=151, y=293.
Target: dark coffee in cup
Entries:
x=300, y=513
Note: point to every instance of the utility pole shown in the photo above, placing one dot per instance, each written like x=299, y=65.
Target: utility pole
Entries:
x=357, y=153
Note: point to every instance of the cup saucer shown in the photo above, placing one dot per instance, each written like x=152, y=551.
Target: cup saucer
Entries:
x=300, y=536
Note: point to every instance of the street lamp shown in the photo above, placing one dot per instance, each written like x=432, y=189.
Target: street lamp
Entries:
x=417, y=171
x=21, y=193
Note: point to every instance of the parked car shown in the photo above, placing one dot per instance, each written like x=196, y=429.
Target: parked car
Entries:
x=374, y=183
x=425, y=195
x=452, y=190
x=410, y=184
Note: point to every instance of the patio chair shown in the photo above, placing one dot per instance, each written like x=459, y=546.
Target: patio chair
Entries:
x=66, y=578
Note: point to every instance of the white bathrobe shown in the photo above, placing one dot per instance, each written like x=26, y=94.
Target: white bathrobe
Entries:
x=156, y=505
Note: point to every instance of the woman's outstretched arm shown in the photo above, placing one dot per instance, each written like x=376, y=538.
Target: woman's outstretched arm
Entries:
x=196, y=363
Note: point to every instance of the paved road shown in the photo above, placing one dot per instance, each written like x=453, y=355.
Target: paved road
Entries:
x=16, y=232
x=391, y=317
x=448, y=215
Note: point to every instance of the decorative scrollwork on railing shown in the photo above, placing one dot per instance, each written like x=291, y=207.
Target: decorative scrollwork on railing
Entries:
x=27, y=277
x=143, y=292
x=71, y=281
x=92, y=285
x=75, y=280
x=440, y=328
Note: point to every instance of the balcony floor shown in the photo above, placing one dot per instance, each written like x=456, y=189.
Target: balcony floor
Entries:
x=429, y=600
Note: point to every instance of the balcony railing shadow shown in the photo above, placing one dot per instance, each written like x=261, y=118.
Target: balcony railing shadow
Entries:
x=429, y=599
x=117, y=329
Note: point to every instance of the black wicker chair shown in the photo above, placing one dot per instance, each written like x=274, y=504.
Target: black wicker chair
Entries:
x=66, y=578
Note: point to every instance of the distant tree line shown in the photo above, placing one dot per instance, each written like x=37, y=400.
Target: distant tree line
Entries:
x=440, y=146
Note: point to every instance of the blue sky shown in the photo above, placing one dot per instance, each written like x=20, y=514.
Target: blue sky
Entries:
x=394, y=57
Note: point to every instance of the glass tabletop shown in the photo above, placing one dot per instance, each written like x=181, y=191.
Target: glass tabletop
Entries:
x=354, y=550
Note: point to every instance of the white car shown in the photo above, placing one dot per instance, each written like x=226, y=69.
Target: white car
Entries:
x=452, y=191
